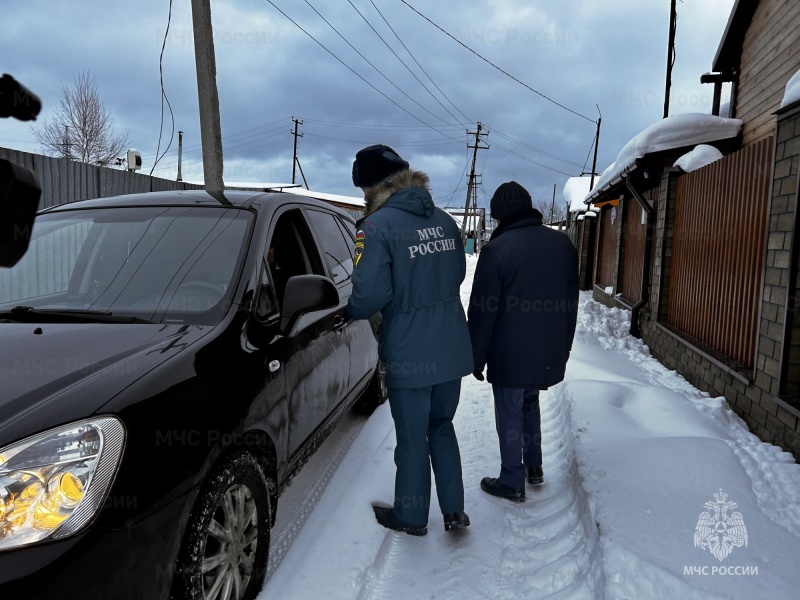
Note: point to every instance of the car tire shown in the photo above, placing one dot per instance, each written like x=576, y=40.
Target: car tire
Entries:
x=375, y=394
x=226, y=542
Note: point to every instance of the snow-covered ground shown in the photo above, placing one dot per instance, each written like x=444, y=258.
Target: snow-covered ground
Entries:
x=634, y=457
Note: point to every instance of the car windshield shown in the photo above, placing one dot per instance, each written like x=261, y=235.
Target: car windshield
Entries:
x=160, y=264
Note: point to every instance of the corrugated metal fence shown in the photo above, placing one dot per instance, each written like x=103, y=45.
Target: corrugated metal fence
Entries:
x=65, y=180
x=607, y=247
x=718, y=251
x=634, y=235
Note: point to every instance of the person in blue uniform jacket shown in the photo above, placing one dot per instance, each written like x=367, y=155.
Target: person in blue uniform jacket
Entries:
x=409, y=265
x=523, y=310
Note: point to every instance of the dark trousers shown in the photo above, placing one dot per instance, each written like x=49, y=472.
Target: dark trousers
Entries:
x=423, y=420
x=519, y=430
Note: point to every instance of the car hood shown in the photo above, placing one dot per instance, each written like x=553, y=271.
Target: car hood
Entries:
x=60, y=372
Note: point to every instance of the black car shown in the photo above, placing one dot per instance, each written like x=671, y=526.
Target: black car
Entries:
x=167, y=362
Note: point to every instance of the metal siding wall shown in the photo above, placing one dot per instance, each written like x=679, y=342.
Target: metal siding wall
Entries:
x=718, y=250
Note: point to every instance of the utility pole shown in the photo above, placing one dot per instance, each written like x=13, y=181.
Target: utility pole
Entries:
x=553, y=205
x=66, y=144
x=472, y=188
x=210, y=130
x=180, y=154
x=596, y=144
x=673, y=22
x=295, y=162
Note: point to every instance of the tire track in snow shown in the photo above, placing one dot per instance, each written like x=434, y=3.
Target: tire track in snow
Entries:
x=289, y=524
x=546, y=547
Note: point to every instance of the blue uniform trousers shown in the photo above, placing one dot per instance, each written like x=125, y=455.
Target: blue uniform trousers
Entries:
x=519, y=430
x=423, y=420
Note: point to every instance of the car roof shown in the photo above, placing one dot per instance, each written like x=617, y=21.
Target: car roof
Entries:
x=237, y=199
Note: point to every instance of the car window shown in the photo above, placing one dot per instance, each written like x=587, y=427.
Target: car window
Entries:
x=266, y=305
x=336, y=248
x=291, y=251
x=164, y=264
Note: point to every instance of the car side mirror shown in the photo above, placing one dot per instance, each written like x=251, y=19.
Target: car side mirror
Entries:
x=305, y=294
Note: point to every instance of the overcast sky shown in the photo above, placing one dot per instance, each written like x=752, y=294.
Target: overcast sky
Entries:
x=581, y=54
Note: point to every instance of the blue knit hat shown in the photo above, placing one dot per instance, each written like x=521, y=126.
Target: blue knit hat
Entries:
x=374, y=164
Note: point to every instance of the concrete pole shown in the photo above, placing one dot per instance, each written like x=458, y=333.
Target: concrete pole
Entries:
x=180, y=154
x=210, y=130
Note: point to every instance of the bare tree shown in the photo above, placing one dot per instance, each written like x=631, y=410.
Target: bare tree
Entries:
x=82, y=128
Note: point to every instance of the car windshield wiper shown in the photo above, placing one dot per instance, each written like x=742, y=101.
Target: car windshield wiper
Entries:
x=29, y=314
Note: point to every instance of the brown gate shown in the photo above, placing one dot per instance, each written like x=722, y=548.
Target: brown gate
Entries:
x=607, y=247
x=634, y=234
x=718, y=251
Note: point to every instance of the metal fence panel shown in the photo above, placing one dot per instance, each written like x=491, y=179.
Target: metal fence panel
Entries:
x=718, y=251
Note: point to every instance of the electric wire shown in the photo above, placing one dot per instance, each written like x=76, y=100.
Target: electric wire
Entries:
x=163, y=96
x=530, y=160
x=372, y=65
x=495, y=66
x=400, y=59
x=534, y=149
x=296, y=24
x=420, y=66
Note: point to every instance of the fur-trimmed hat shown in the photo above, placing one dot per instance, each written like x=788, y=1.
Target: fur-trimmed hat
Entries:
x=374, y=164
x=509, y=199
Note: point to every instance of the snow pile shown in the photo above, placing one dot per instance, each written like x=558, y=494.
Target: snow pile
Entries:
x=673, y=132
x=699, y=157
x=792, y=93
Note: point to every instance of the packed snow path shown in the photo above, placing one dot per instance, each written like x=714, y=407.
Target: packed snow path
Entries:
x=632, y=455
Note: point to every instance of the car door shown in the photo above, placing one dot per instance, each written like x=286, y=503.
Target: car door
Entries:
x=317, y=358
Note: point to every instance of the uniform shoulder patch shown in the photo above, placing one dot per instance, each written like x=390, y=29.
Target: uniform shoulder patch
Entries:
x=359, y=248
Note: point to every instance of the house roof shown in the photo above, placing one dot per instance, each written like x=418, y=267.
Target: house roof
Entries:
x=730, y=47
x=670, y=137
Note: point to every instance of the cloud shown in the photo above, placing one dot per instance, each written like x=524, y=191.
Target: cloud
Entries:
x=579, y=53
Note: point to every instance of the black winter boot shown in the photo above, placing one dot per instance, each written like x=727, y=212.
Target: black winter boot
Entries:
x=455, y=521
x=385, y=517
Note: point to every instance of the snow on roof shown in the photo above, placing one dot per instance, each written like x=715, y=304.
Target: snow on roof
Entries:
x=699, y=157
x=673, y=132
x=792, y=93
x=575, y=190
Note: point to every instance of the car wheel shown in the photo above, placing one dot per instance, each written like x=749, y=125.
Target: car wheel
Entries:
x=375, y=394
x=226, y=543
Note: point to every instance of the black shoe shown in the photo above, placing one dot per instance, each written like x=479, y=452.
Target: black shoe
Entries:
x=385, y=517
x=535, y=475
x=455, y=521
x=490, y=485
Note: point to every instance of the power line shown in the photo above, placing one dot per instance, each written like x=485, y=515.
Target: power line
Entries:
x=379, y=127
x=534, y=149
x=419, y=65
x=530, y=160
x=495, y=66
x=398, y=58
x=434, y=142
x=373, y=66
x=164, y=96
x=348, y=66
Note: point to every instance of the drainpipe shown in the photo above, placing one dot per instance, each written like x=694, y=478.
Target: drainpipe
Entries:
x=635, y=330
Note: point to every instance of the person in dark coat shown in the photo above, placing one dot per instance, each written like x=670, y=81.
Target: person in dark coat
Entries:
x=522, y=315
x=409, y=266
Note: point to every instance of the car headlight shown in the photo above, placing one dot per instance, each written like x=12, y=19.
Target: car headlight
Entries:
x=53, y=483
